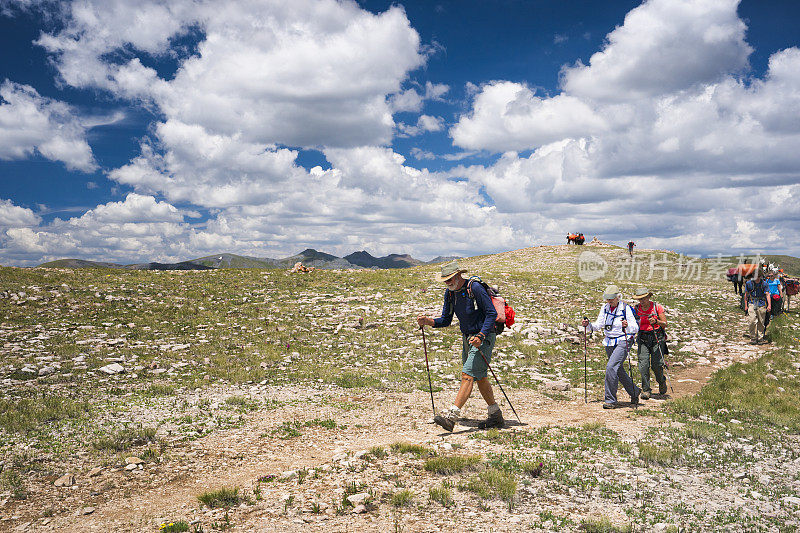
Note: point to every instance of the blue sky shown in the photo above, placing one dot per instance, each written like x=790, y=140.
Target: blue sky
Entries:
x=150, y=130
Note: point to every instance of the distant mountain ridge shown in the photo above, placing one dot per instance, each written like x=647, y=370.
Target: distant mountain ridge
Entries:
x=309, y=257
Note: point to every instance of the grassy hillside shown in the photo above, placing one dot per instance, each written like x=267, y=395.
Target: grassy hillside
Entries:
x=294, y=365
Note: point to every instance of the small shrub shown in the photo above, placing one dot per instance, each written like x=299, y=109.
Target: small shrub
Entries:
x=224, y=497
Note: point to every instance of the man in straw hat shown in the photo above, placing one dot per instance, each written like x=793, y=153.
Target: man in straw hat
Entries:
x=652, y=341
x=618, y=323
x=476, y=318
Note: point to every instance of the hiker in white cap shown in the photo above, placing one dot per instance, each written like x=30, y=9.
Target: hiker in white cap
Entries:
x=618, y=323
x=476, y=319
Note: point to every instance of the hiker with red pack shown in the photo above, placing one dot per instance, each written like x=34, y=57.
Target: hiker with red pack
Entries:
x=652, y=341
x=470, y=301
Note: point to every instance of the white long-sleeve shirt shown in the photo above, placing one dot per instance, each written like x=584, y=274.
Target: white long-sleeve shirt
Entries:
x=613, y=318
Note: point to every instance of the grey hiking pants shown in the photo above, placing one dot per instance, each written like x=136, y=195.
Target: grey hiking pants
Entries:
x=650, y=357
x=615, y=373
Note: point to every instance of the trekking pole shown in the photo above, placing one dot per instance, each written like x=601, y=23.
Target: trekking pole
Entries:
x=628, y=354
x=430, y=385
x=585, y=356
x=498, y=384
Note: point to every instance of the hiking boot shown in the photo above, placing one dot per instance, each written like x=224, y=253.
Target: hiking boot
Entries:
x=635, y=398
x=662, y=388
x=494, y=420
x=609, y=406
x=447, y=423
x=645, y=395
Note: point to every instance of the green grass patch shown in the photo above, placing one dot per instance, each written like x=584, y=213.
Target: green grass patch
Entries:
x=327, y=423
x=442, y=494
x=125, y=439
x=602, y=525
x=415, y=449
x=401, y=498
x=493, y=482
x=452, y=464
x=223, y=497
x=242, y=403
x=660, y=455
x=26, y=414
x=378, y=452
x=160, y=389
x=757, y=394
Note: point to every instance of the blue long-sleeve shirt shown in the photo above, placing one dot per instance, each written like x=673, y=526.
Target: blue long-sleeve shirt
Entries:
x=474, y=314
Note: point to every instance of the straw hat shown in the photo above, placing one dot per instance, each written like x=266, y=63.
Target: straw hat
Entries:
x=641, y=292
x=449, y=270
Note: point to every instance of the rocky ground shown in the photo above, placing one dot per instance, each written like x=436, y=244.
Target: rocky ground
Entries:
x=299, y=402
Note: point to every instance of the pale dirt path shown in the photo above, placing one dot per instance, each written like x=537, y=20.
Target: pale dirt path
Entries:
x=238, y=457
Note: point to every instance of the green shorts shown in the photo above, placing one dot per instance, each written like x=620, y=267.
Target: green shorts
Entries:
x=473, y=363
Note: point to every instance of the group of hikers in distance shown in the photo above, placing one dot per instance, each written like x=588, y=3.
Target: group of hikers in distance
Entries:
x=763, y=290
x=479, y=311
x=575, y=238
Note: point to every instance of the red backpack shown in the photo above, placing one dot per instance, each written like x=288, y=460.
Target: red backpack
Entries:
x=505, y=313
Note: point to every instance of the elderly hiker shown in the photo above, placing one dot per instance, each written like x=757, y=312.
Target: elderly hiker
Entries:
x=652, y=341
x=757, y=305
x=476, y=318
x=618, y=323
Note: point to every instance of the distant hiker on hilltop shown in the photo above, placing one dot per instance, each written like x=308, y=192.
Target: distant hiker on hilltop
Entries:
x=476, y=314
x=652, y=341
x=618, y=323
x=631, y=244
x=756, y=304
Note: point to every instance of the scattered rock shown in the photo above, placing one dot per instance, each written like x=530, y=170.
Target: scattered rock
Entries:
x=46, y=371
x=131, y=466
x=133, y=460
x=289, y=474
x=113, y=368
x=87, y=510
x=67, y=480
x=359, y=509
x=95, y=471
x=359, y=498
x=791, y=499
x=557, y=385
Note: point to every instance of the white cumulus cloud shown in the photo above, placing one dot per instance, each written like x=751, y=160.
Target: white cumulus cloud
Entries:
x=31, y=123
